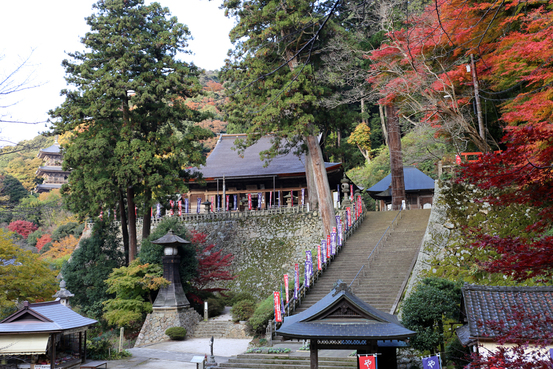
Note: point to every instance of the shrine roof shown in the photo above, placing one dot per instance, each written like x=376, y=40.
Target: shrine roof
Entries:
x=44, y=317
x=485, y=304
x=342, y=315
x=414, y=179
x=225, y=161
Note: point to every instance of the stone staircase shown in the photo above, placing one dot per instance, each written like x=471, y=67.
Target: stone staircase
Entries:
x=380, y=283
x=286, y=361
x=221, y=326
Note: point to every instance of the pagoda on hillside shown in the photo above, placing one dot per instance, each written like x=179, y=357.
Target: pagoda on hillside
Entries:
x=54, y=176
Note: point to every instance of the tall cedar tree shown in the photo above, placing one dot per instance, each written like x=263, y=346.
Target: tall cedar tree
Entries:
x=131, y=136
x=273, y=83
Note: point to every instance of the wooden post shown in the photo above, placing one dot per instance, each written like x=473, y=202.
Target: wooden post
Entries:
x=313, y=354
x=53, y=351
x=396, y=159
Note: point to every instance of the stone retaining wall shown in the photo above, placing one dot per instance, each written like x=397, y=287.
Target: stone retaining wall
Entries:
x=153, y=329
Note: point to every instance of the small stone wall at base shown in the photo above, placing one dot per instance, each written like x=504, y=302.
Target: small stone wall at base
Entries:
x=153, y=329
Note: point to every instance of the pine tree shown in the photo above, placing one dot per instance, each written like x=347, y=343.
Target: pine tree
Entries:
x=273, y=81
x=131, y=131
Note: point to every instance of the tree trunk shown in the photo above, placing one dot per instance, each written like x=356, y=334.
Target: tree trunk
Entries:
x=147, y=218
x=321, y=181
x=132, y=224
x=312, y=199
x=124, y=229
x=383, y=123
x=396, y=160
x=481, y=129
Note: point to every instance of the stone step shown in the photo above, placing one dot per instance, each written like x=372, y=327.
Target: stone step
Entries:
x=389, y=268
x=285, y=361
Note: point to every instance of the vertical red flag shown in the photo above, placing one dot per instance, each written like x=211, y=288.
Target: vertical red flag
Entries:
x=348, y=212
x=278, y=312
x=227, y=203
x=367, y=362
x=286, y=287
x=249, y=201
x=328, y=255
x=458, y=159
x=319, y=262
x=180, y=208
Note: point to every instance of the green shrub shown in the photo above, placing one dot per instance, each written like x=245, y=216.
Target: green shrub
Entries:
x=34, y=236
x=242, y=310
x=215, y=306
x=236, y=297
x=262, y=314
x=65, y=230
x=176, y=333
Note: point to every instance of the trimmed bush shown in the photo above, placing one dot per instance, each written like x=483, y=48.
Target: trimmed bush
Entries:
x=242, y=310
x=236, y=297
x=262, y=314
x=215, y=306
x=176, y=333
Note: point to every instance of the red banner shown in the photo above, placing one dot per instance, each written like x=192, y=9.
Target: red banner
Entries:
x=319, y=262
x=348, y=212
x=367, y=362
x=249, y=201
x=180, y=208
x=286, y=287
x=328, y=246
x=278, y=312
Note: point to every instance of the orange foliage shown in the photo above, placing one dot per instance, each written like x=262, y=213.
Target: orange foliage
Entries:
x=61, y=248
x=43, y=241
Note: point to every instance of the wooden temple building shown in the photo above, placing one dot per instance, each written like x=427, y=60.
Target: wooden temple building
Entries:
x=342, y=321
x=231, y=180
x=52, y=172
x=419, y=190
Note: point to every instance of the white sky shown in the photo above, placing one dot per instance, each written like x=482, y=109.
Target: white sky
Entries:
x=52, y=27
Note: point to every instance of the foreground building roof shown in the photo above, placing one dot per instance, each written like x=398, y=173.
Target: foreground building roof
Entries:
x=44, y=317
x=342, y=315
x=485, y=304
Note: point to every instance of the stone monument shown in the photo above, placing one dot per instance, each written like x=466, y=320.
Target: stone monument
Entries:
x=171, y=307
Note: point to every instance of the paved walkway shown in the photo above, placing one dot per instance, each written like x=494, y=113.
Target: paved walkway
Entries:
x=177, y=354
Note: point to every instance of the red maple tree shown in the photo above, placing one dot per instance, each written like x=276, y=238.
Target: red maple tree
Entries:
x=528, y=334
x=213, y=266
x=22, y=227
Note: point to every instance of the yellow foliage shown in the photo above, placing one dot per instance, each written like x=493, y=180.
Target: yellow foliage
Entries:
x=61, y=248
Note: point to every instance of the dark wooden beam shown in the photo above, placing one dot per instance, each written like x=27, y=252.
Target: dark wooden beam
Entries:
x=313, y=354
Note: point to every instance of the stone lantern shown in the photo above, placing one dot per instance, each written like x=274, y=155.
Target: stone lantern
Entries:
x=345, y=189
x=207, y=206
x=171, y=307
x=63, y=295
x=172, y=295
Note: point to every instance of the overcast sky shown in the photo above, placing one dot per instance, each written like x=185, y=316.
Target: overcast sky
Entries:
x=45, y=30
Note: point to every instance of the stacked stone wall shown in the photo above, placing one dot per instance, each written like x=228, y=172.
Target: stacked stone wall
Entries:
x=157, y=322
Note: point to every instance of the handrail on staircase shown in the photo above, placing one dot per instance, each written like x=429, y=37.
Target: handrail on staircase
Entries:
x=377, y=244
x=295, y=303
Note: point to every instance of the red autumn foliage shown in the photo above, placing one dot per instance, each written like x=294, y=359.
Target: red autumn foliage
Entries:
x=524, y=174
x=22, y=227
x=213, y=266
x=528, y=332
x=43, y=241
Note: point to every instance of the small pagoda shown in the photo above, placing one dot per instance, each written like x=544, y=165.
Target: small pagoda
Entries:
x=52, y=172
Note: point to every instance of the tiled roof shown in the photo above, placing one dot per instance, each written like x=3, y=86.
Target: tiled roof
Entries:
x=486, y=303
x=414, y=179
x=228, y=162
x=342, y=315
x=44, y=317
x=54, y=149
